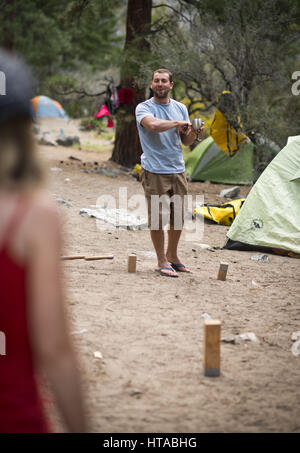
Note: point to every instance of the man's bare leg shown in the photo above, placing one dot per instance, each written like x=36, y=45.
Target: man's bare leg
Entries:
x=158, y=239
x=173, y=240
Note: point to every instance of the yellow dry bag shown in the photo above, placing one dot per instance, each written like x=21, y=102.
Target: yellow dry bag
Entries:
x=220, y=213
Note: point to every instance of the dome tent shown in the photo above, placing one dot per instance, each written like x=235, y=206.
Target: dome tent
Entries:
x=45, y=107
x=207, y=162
x=269, y=220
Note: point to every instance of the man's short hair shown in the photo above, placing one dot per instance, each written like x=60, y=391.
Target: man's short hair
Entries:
x=162, y=70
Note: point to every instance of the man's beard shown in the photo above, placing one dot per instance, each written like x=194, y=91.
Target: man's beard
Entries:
x=161, y=94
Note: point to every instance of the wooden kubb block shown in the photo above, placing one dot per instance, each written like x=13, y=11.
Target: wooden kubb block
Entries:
x=132, y=263
x=212, y=347
x=222, y=271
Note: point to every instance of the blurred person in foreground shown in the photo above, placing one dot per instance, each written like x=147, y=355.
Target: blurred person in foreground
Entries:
x=32, y=312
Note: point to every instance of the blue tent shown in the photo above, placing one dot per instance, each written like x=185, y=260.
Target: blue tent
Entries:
x=44, y=107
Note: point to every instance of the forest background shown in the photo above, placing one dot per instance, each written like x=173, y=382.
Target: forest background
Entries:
x=78, y=48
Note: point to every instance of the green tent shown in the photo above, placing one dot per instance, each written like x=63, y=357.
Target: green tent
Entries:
x=207, y=162
x=269, y=220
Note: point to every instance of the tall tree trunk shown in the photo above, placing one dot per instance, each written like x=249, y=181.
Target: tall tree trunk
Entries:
x=9, y=25
x=127, y=150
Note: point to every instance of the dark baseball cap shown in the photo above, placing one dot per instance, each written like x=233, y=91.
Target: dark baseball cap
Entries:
x=16, y=88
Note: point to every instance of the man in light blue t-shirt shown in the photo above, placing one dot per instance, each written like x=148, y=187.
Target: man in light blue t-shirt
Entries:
x=162, y=124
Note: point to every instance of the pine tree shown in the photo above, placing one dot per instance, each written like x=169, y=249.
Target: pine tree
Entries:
x=127, y=149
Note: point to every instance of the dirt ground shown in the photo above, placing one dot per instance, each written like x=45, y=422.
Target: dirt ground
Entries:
x=149, y=329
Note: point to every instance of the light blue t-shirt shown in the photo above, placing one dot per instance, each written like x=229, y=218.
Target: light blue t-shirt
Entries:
x=162, y=152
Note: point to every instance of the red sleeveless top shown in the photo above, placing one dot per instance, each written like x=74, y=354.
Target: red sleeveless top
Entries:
x=20, y=405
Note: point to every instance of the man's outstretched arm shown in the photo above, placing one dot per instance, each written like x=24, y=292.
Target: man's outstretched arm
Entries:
x=158, y=125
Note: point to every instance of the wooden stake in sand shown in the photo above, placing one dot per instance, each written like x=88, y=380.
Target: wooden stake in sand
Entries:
x=222, y=271
x=75, y=257
x=132, y=263
x=88, y=258
x=212, y=349
x=91, y=258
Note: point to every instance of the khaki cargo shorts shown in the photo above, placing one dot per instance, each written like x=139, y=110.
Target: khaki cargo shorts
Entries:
x=165, y=199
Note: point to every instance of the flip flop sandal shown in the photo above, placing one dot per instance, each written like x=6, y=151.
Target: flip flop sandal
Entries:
x=180, y=267
x=164, y=274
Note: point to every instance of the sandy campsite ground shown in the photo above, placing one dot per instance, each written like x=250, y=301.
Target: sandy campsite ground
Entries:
x=149, y=329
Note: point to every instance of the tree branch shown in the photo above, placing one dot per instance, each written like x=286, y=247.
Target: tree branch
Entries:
x=173, y=9
x=195, y=3
x=81, y=92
